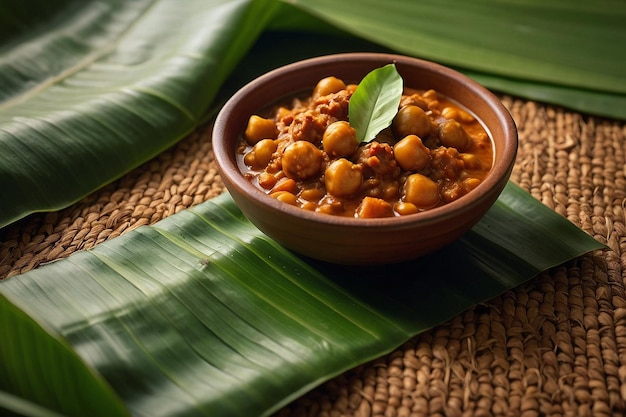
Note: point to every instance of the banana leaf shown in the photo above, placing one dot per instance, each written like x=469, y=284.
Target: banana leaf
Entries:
x=94, y=89
x=557, y=51
x=203, y=315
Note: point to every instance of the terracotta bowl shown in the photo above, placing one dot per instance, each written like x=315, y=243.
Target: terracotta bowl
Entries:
x=356, y=241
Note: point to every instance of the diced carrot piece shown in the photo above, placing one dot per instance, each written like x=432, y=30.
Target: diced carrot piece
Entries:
x=372, y=207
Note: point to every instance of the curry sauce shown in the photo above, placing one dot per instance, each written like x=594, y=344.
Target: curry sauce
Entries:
x=305, y=153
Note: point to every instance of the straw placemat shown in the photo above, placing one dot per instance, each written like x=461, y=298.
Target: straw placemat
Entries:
x=555, y=346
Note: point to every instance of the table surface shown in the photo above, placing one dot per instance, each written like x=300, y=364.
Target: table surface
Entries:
x=554, y=346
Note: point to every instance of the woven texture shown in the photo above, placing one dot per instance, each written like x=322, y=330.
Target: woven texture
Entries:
x=552, y=347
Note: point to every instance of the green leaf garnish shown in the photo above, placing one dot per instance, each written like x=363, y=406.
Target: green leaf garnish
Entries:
x=375, y=102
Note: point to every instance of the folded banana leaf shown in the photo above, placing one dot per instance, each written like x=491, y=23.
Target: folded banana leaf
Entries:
x=203, y=315
x=90, y=90
x=556, y=51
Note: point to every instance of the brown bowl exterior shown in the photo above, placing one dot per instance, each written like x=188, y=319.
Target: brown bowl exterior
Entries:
x=363, y=241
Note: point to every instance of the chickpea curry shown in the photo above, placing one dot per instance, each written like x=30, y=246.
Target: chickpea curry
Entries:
x=306, y=153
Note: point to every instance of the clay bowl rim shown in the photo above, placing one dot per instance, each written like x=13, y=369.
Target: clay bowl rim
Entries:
x=232, y=176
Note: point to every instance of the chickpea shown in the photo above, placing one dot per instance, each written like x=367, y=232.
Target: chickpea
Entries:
x=343, y=178
x=403, y=208
x=309, y=206
x=411, y=120
x=390, y=191
x=285, y=197
x=411, y=154
x=482, y=139
x=430, y=95
x=470, y=183
x=421, y=191
x=452, y=134
x=267, y=180
x=325, y=208
x=415, y=100
x=312, y=194
x=259, y=128
x=327, y=86
x=339, y=139
x=431, y=98
x=281, y=113
x=302, y=160
x=261, y=154
x=330, y=207
x=250, y=160
x=470, y=161
x=457, y=114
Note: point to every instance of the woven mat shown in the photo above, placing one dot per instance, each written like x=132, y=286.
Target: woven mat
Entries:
x=555, y=346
